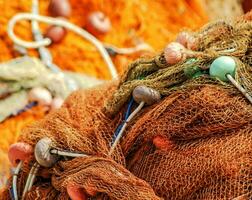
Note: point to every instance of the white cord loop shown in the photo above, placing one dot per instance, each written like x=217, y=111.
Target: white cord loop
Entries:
x=46, y=41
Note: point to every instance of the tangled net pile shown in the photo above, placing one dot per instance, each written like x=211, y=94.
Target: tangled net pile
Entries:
x=196, y=143
x=129, y=23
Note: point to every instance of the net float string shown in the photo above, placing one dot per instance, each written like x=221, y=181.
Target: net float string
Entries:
x=54, y=152
x=224, y=68
x=45, y=156
x=142, y=95
x=239, y=87
x=37, y=36
x=125, y=118
x=34, y=173
x=19, y=161
x=66, y=153
x=43, y=52
x=113, y=50
x=14, y=180
x=118, y=137
x=47, y=41
x=138, y=97
x=28, y=181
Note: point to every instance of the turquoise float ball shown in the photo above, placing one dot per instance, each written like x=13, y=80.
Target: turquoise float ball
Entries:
x=222, y=66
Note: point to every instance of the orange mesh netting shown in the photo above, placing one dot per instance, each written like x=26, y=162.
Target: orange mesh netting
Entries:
x=195, y=143
x=131, y=20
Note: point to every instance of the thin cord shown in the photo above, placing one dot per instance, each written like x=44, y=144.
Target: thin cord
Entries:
x=35, y=26
x=239, y=87
x=129, y=108
x=33, y=177
x=14, y=181
x=132, y=115
x=126, y=51
x=123, y=122
x=27, y=184
x=43, y=52
x=47, y=41
x=68, y=154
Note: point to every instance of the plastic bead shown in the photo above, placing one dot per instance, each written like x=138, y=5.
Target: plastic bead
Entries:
x=60, y=8
x=182, y=38
x=146, y=94
x=55, y=33
x=75, y=192
x=42, y=153
x=19, y=152
x=174, y=53
x=98, y=23
x=222, y=66
x=187, y=40
x=40, y=95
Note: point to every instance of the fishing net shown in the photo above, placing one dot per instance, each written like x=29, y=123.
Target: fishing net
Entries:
x=132, y=22
x=195, y=143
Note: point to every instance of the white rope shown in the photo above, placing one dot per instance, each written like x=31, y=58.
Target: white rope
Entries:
x=14, y=180
x=33, y=177
x=29, y=179
x=130, y=50
x=66, y=153
x=132, y=115
x=239, y=87
x=47, y=41
x=35, y=11
x=44, y=53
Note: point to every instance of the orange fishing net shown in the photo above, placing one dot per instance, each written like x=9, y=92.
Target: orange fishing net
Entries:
x=131, y=22
x=195, y=143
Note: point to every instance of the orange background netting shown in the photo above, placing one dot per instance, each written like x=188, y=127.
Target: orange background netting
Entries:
x=131, y=20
